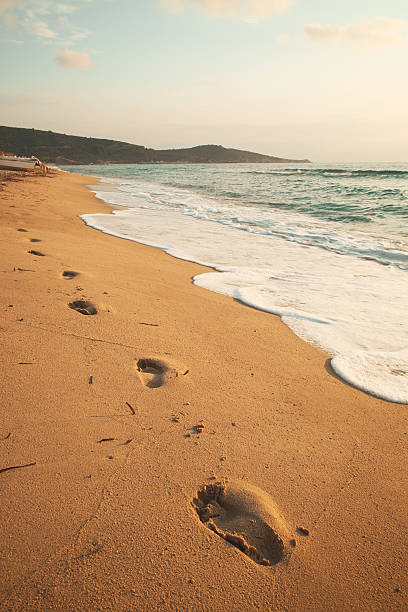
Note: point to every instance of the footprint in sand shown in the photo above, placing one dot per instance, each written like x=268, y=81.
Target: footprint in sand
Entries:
x=154, y=373
x=38, y=253
x=35, y=240
x=84, y=307
x=247, y=518
x=21, y=229
x=69, y=274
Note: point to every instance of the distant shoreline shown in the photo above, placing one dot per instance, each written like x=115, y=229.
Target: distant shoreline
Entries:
x=67, y=150
x=190, y=163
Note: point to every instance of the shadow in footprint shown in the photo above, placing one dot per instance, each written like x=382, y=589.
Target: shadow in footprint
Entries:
x=21, y=229
x=154, y=373
x=69, y=274
x=84, y=307
x=38, y=253
x=247, y=518
x=35, y=240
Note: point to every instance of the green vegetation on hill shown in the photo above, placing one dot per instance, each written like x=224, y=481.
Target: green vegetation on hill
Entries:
x=63, y=149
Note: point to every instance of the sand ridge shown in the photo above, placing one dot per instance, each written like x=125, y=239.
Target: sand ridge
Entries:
x=125, y=422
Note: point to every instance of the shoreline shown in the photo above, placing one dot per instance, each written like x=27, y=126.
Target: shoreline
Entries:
x=105, y=518
x=190, y=163
x=315, y=310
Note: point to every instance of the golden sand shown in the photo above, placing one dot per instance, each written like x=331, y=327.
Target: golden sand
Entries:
x=163, y=447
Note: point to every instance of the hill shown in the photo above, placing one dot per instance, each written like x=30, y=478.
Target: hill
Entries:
x=63, y=149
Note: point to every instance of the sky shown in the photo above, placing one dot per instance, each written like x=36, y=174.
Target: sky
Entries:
x=318, y=79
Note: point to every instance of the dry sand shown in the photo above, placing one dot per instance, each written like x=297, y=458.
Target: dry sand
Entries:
x=121, y=462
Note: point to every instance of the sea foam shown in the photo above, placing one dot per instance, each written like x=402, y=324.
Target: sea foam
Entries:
x=353, y=308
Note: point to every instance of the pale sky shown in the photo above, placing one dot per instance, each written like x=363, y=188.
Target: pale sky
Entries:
x=322, y=79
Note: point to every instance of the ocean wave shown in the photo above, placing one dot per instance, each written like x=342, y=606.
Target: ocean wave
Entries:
x=302, y=243
x=316, y=228
x=332, y=172
x=350, y=307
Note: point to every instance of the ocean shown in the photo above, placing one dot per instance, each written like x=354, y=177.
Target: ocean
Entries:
x=323, y=246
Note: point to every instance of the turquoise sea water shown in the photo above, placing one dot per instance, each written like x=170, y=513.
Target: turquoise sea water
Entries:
x=365, y=197
x=323, y=246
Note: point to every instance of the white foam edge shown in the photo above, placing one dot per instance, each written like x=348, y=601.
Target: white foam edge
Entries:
x=350, y=367
x=367, y=371
x=161, y=247
x=370, y=371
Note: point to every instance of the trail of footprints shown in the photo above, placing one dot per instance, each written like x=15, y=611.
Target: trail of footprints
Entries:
x=239, y=513
x=82, y=306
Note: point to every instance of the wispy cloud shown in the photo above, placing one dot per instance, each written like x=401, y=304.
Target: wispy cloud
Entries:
x=46, y=20
x=8, y=5
x=40, y=29
x=71, y=31
x=6, y=11
x=73, y=59
x=378, y=32
x=249, y=10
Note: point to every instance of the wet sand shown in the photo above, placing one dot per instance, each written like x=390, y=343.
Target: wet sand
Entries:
x=163, y=447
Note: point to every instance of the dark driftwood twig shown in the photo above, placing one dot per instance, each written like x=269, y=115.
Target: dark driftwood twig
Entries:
x=16, y=467
x=131, y=408
x=149, y=324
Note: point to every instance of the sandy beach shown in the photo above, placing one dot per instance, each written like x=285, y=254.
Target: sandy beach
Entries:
x=164, y=447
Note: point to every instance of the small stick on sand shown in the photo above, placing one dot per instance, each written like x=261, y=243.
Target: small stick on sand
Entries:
x=16, y=467
x=131, y=408
x=127, y=442
x=149, y=324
